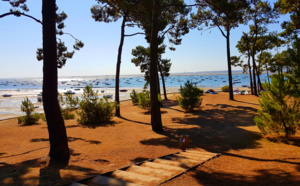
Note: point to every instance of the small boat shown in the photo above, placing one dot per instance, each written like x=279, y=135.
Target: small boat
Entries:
x=69, y=92
x=123, y=90
x=77, y=89
x=6, y=95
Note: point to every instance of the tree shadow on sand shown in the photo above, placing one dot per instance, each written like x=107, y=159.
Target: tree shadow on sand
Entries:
x=214, y=129
x=220, y=128
x=36, y=172
x=263, y=177
x=70, y=139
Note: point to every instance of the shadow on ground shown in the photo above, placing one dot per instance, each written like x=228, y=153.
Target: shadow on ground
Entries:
x=264, y=177
x=214, y=129
x=13, y=174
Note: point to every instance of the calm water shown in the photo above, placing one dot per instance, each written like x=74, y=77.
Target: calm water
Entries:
x=31, y=87
x=209, y=81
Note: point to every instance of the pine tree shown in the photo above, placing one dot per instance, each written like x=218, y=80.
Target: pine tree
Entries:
x=280, y=112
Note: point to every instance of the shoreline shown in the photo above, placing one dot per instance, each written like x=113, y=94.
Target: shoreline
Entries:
x=10, y=106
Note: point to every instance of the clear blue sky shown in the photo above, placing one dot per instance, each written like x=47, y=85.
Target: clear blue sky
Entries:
x=20, y=37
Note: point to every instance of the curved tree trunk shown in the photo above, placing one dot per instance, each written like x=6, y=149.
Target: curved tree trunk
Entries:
x=250, y=74
x=117, y=88
x=59, y=150
x=155, y=105
x=258, y=73
x=254, y=74
x=229, y=65
x=164, y=85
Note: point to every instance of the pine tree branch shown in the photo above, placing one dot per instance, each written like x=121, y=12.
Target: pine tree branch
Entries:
x=128, y=35
x=71, y=36
x=221, y=31
x=19, y=14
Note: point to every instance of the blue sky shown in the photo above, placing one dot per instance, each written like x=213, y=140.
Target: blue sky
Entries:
x=20, y=37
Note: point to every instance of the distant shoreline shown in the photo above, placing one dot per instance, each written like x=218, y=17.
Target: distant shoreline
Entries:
x=221, y=72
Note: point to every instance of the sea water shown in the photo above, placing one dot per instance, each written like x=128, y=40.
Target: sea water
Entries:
x=20, y=88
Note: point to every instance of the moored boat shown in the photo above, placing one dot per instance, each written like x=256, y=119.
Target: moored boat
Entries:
x=6, y=95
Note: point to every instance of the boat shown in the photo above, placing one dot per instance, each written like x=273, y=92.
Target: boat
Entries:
x=123, y=90
x=69, y=92
x=6, y=95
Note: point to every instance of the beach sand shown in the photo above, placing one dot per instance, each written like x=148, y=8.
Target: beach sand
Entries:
x=10, y=106
x=219, y=126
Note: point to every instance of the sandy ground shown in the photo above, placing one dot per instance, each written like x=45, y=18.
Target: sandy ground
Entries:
x=219, y=126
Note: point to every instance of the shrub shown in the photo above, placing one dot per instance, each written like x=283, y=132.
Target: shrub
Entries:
x=279, y=112
x=93, y=111
x=134, y=97
x=144, y=101
x=190, y=97
x=225, y=88
x=30, y=117
x=67, y=105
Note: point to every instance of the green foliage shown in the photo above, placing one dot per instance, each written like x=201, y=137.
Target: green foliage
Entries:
x=67, y=105
x=62, y=51
x=93, y=111
x=225, y=88
x=290, y=7
x=279, y=112
x=190, y=97
x=142, y=59
x=134, y=97
x=30, y=117
x=144, y=100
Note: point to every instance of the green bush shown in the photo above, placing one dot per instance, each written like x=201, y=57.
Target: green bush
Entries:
x=225, y=88
x=67, y=105
x=93, y=111
x=280, y=112
x=144, y=101
x=30, y=117
x=134, y=97
x=190, y=97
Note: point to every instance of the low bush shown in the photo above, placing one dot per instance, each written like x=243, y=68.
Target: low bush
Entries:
x=30, y=117
x=134, y=97
x=67, y=105
x=190, y=97
x=144, y=101
x=93, y=111
x=225, y=88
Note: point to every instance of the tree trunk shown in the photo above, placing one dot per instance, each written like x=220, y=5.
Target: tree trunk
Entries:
x=59, y=150
x=117, y=88
x=258, y=73
x=249, y=66
x=155, y=105
x=254, y=75
x=164, y=85
x=229, y=65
